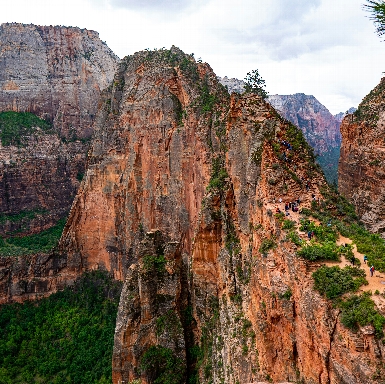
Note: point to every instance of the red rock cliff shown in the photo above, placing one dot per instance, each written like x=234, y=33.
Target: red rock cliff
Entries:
x=177, y=202
x=361, y=168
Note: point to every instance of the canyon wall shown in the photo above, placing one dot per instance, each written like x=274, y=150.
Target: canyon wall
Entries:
x=320, y=127
x=178, y=201
x=361, y=169
x=56, y=73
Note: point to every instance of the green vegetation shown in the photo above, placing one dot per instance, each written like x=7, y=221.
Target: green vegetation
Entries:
x=17, y=217
x=154, y=262
x=294, y=238
x=65, y=338
x=334, y=281
x=255, y=84
x=329, y=163
x=335, y=212
x=358, y=310
x=14, y=126
x=286, y=295
x=288, y=224
x=42, y=242
x=267, y=245
x=314, y=252
x=162, y=366
x=218, y=175
x=169, y=322
x=377, y=10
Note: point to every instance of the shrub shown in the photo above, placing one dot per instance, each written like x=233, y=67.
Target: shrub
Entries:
x=334, y=281
x=325, y=251
x=162, y=366
x=288, y=224
x=294, y=238
x=359, y=311
x=154, y=262
x=267, y=245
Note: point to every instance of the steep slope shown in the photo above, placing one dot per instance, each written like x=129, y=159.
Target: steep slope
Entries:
x=178, y=202
x=56, y=73
x=320, y=127
x=361, y=174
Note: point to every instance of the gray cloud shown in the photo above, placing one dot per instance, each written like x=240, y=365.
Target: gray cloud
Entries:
x=174, y=6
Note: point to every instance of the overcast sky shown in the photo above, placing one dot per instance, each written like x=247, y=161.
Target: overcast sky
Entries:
x=326, y=48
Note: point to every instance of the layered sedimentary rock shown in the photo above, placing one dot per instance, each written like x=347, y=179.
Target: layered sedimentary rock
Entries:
x=319, y=126
x=361, y=169
x=56, y=73
x=177, y=202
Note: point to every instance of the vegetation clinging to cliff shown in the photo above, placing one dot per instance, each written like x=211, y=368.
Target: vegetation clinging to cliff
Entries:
x=42, y=242
x=66, y=338
x=14, y=126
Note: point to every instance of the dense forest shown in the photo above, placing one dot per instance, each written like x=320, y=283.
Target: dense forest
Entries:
x=65, y=338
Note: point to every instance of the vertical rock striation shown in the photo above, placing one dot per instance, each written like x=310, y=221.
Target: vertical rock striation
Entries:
x=178, y=202
x=361, y=169
x=57, y=73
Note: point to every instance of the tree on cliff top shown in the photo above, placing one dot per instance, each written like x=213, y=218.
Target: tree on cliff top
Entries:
x=255, y=84
x=377, y=10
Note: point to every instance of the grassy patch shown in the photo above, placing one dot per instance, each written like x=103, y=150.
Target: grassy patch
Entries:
x=334, y=281
x=65, y=338
x=17, y=217
x=42, y=242
x=14, y=126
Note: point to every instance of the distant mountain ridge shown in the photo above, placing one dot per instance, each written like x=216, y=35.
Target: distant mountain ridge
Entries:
x=320, y=127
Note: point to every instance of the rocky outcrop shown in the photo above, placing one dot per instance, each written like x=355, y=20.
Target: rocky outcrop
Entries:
x=232, y=84
x=361, y=174
x=56, y=73
x=177, y=202
x=340, y=116
x=320, y=127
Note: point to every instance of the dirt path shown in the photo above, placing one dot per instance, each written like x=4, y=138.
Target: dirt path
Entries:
x=376, y=283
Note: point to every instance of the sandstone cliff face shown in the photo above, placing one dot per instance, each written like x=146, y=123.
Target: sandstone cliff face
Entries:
x=320, y=127
x=177, y=202
x=56, y=73
x=361, y=172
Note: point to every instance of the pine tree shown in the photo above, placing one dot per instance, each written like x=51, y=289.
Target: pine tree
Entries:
x=377, y=10
x=255, y=84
